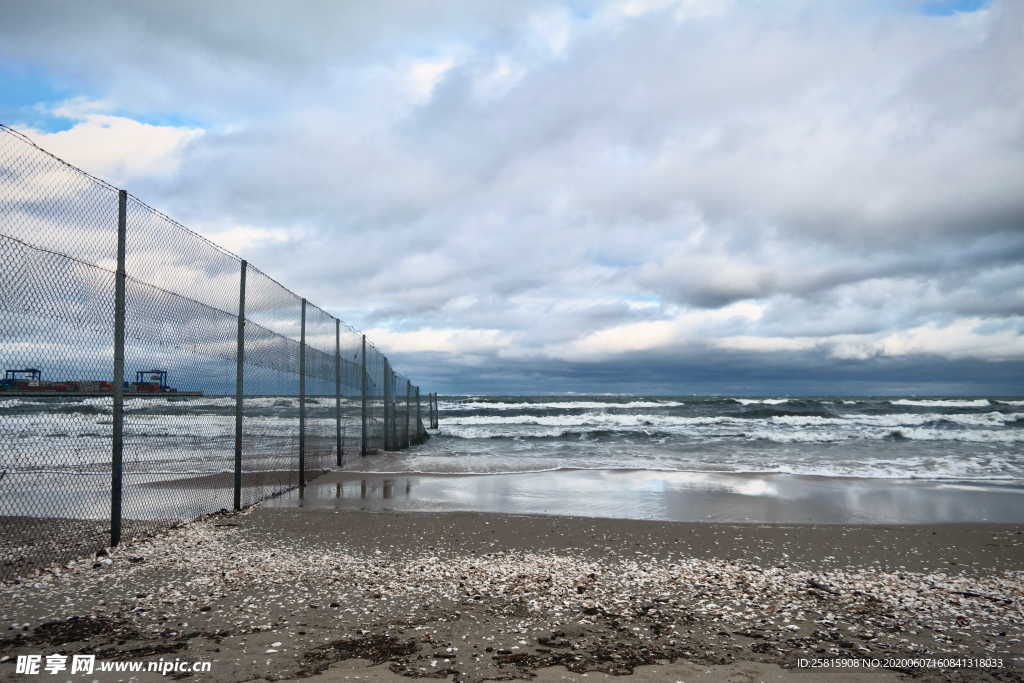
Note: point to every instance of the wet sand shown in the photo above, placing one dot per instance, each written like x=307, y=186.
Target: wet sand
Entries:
x=671, y=496
x=226, y=480
x=281, y=593
x=26, y=543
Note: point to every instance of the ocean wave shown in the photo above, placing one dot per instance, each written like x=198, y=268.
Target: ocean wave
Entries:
x=766, y=433
x=765, y=401
x=755, y=413
x=793, y=419
x=572, y=420
x=942, y=403
x=555, y=433
x=912, y=470
x=557, y=405
x=989, y=419
x=902, y=434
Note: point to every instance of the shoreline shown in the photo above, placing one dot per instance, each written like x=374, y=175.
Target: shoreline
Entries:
x=492, y=595
x=671, y=496
x=635, y=494
x=224, y=478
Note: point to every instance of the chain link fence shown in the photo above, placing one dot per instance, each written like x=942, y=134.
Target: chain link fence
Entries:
x=151, y=377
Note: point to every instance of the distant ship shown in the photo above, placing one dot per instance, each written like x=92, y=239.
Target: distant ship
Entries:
x=30, y=382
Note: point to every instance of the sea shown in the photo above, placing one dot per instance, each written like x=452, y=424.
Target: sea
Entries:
x=874, y=437
x=744, y=458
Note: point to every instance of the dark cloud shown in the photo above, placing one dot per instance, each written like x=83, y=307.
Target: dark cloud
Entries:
x=557, y=177
x=728, y=373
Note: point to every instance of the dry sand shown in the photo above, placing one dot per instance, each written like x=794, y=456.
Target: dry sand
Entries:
x=298, y=593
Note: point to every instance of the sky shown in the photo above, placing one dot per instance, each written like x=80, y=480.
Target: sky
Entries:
x=646, y=196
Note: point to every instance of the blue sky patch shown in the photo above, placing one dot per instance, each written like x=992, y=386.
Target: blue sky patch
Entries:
x=24, y=88
x=947, y=7
x=28, y=94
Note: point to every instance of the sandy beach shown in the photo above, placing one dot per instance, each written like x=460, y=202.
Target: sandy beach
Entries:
x=557, y=340
x=285, y=593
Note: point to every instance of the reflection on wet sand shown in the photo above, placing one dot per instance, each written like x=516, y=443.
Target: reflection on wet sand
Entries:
x=361, y=489
x=671, y=496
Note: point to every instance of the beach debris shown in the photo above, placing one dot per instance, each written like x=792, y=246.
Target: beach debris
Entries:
x=427, y=605
x=814, y=583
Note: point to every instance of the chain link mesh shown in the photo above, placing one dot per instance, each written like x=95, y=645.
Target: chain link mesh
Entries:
x=58, y=263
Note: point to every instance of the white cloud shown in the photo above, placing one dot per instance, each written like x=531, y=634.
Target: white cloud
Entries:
x=632, y=338
x=554, y=27
x=242, y=239
x=538, y=181
x=78, y=108
x=765, y=344
x=498, y=80
x=681, y=9
x=685, y=327
x=424, y=75
x=964, y=338
x=452, y=341
x=116, y=148
x=959, y=339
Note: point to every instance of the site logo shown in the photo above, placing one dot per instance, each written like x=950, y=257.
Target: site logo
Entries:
x=87, y=664
x=30, y=664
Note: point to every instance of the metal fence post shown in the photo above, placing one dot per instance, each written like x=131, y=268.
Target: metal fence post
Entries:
x=408, y=412
x=387, y=404
x=239, y=387
x=419, y=416
x=394, y=408
x=117, y=390
x=302, y=400
x=337, y=391
x=363, y=448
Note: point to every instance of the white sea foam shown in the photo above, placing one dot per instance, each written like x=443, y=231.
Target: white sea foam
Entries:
x=612, y=421
x=943, y=403
x=585, y=419
x=557, y=405
x=1004, y=467
x=740, y=430
x=764, y=401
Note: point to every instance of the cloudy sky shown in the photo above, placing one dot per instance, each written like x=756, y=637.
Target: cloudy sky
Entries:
x=666, y=196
